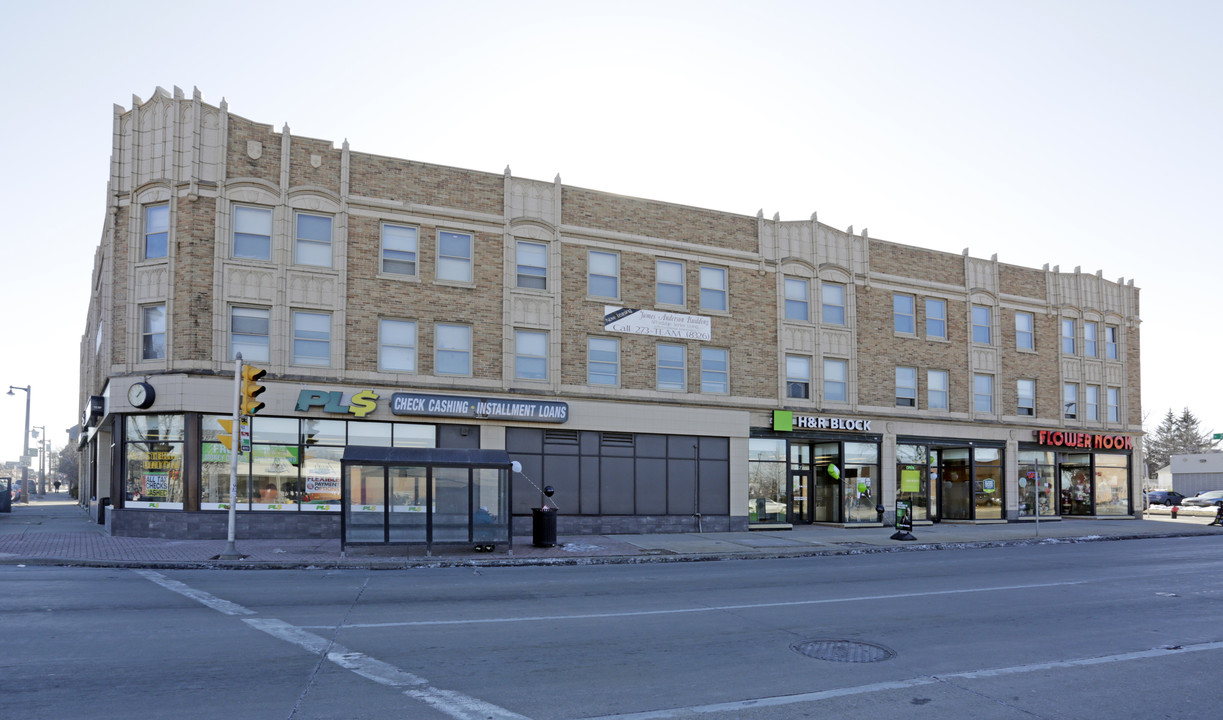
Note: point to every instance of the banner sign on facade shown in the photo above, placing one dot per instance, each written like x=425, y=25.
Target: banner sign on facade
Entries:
x=479, y=408
x=659, y=324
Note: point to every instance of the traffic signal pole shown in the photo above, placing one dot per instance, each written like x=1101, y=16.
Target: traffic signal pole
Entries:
x=231, y=552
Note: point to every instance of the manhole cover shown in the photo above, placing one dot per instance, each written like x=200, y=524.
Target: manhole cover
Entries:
x=843, y=651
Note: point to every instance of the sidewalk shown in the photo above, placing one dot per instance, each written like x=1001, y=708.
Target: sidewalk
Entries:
x=53, y=530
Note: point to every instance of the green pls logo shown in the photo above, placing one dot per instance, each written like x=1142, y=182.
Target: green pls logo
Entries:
x=783, y=420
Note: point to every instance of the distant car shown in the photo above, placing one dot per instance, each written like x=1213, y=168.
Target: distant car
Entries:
x=1205, y=499
x=1164, y=497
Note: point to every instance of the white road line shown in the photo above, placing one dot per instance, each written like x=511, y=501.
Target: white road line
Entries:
x=741, y=705
x=455, y=704
x=701, y=609
x=208, y=599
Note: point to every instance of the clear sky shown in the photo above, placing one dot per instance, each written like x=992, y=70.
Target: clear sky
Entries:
x=1078, y=133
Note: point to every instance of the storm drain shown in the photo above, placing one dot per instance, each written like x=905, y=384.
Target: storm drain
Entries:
x=848, y=651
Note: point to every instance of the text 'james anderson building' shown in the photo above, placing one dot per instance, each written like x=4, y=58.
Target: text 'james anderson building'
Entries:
x=663, y=367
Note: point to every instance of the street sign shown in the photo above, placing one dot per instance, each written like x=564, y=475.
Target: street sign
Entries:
x=244, y=433
x=1218, y=436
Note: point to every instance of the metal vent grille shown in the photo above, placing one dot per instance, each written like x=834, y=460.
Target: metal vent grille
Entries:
x=561, y=437
x=617, y=439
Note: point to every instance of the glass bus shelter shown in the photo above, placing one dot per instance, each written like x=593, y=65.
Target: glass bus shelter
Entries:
x=423, y=496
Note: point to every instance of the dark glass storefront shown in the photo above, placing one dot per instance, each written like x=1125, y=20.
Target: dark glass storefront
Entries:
x=813, y=480
x=1074, y=484
x=951, y=481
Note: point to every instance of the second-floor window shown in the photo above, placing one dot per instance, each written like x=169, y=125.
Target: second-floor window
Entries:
x=530, y=355
x=532, y=265
x=1024, y=323
x=156, y=231
x=982, y=325
x=715, y=370
x=672, y=368
x=397, y=345
x=1026, y=392
x=1070, y=401
x=832, y=303
x=453, y=256
x=252, y=233
x=311, y=338
x=798, y=377
x=313, y=246
x=1092, y=401
x=603, y=274
x=796, y=299
x=399, y=248
x=669, y=282
x=904, y=318
x=937, y=382
x=603, y=361
x=452, y=354
x=983, y=393
x=153, y=332
x=713, y=288
x=248, y=334
x=1114, y=405
x=836, y=380
x=906, y=387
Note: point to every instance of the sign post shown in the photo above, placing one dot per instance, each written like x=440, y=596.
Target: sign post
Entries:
x=231, y=551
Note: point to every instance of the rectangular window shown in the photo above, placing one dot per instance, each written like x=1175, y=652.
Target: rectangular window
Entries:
x=713, y=288
x=1110, y=342
x=603, y=274
x=1070, y=401
x=983, y=393
x=1093, y=402
x=1089, y=339
x=669, y=282
x=796, y=299
x=311, y=338
x=153, y=332
x=1027, y=397
x=981, y=325
x=1024, y=325
x=715, y=370
x=936, y=318
x=1114, y=405
x=798, y=377
x=252, y=233
x=672, y=367
x=397, y=345
x=156, y=231
x=313, y=246
x=532, y=260
x=248, y=334
x=603, y=361
x=904, y=318
x=836, y=380
x=453, y=351
x=453, y=256
x=530, y=355
x=1067, y=336
x=937, y=382
x=906, y=387
x=399, y=248
x=832, y=299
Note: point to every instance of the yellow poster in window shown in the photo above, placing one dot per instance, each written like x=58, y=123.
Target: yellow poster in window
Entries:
x=910, y=480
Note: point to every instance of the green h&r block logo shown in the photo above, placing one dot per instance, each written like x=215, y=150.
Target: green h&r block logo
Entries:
x=783, y=420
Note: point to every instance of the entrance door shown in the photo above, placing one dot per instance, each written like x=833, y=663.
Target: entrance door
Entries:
x=956, y=492
x=826, y=505
x=1075, y=488
x=800, y=497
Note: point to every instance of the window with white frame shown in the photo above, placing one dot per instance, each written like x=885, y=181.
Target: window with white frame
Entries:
x=1089, y=338
x=1092, y=401
x=396, y=345
x=454, y=256
x=603, y=274
x=252, y=232
x=1114, y=405
x=313, y=240
x=452, y=352
x=669, y=282
x=400, y=244
x=982, y=325
x=672, y=367
x=603, y=361
x=1026, y=392
x=153, y=332
x=715, y=370
x=156, y=231
x=836, y=380
x=1067, y=336
x=904, y=314
x=532, y=259
x=906, y=387
x=983, y=393
x=937, y=383
x=798, y=377
x=311, y=338
x=530, y=355
x=1025, y=339
x=936, y=318
x=832, y=303
x=1110, y=342
x=1070, y=401
x=248, y=334
x=713, y=288
x=797, y=303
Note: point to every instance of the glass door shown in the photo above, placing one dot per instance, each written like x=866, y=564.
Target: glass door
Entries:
x=956, y=493
x=826, y=503
x=800, y=496
x=1075, y=472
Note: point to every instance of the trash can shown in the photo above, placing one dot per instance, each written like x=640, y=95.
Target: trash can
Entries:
x=543, y=527
x=102, y=505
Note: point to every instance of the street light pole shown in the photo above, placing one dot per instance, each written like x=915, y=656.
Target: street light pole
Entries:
x=42, y=457
x=25, y=440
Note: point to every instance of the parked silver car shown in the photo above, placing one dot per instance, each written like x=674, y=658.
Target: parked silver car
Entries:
x=1204, y=499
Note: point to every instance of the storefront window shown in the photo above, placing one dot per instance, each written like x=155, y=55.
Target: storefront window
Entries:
x=913, y=478
x=1112, y=484
x=321, y=477
x=1037, y=475
x=214, y=469
x=375, y=434
x=154, y=461
x=766, y=483
x=861, y=490
x=987, y=483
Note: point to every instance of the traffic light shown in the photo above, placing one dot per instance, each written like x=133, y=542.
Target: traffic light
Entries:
x=226, y=438
x=251, y=389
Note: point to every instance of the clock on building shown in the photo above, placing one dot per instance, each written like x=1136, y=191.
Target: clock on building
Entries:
x=141, y=395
